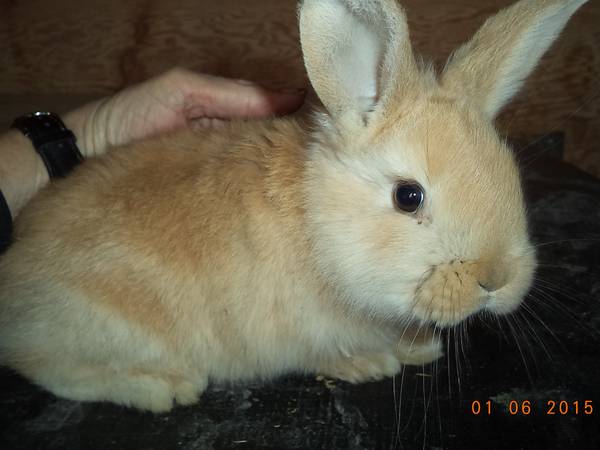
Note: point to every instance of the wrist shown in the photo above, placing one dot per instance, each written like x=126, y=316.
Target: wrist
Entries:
x=22, y=171
x=89, y=124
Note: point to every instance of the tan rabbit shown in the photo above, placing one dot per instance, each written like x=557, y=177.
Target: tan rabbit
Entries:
x=275, y=247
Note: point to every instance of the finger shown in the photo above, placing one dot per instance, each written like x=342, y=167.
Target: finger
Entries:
x=222, y=98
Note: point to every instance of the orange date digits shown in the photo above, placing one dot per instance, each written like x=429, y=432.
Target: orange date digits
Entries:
x=524, y=407
x=476, y=407
x=563, y=407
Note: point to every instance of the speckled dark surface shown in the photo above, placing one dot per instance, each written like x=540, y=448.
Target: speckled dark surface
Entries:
x=552, y=355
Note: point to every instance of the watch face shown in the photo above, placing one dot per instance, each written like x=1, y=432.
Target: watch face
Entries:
x=48, y=121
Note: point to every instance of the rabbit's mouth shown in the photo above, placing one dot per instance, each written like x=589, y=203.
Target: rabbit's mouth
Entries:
x=452, y=292
x=449, y=294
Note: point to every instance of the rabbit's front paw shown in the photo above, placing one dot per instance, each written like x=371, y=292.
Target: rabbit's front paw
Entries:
x=420, y=351
x=188, y=393
x=363, y=367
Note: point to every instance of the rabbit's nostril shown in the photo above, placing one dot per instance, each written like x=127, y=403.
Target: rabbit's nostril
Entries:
x=488, y=287
x=483, y=286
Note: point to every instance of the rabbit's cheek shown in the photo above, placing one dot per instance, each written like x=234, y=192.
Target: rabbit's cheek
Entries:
x=510, y=297
x=504, y=301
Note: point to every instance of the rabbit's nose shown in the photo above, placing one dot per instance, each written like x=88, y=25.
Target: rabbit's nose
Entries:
x=491, y=278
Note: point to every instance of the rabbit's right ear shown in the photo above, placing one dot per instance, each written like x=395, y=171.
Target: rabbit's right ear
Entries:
x=357, y=54
x=491, y=68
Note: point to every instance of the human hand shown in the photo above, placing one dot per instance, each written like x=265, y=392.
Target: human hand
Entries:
x=170, y=101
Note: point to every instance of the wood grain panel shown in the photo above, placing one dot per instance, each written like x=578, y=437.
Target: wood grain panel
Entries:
x=98, y=46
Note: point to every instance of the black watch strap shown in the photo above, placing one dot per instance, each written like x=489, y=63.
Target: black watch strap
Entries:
x=5, y=224
x=54, y=142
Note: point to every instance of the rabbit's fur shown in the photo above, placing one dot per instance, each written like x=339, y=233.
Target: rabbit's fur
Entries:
x=275, y=247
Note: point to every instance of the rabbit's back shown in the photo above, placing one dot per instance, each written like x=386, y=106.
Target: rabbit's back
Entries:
x=152, y=244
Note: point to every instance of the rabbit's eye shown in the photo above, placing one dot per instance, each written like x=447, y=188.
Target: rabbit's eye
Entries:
x=408, y=196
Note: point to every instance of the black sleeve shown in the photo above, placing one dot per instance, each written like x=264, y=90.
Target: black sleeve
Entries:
x=5, y=224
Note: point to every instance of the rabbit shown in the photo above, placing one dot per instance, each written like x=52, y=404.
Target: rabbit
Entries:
x=338, y=246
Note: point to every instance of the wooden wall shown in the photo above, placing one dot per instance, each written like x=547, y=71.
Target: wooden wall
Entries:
x=66, y=51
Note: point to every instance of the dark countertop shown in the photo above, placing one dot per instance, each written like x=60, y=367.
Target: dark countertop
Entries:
x=549, y=351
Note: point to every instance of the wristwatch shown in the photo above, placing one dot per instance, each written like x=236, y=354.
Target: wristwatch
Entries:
x=53, y=141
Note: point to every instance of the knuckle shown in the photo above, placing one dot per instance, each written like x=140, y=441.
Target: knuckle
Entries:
x=176, y=74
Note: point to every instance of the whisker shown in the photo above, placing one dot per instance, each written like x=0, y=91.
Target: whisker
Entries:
x=398, y=411
x=526, y=333
x=516, y=339
x=448, y=363
x=549, y=303
x=457, y=362
x=572, y=295
x=528, y=309
x=425, y=406
x=437, y=389
x=563, y=241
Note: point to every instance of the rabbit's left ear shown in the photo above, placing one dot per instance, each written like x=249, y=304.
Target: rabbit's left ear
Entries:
x=492, y=66
x=356, y=53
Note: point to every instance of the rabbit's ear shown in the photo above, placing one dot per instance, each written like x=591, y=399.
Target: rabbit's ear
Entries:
x=355, y=53
x=493, y=65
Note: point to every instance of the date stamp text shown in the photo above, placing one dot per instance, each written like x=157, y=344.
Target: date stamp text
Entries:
x=528, y=407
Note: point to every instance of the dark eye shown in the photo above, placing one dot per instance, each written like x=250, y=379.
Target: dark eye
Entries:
x=408, y=196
